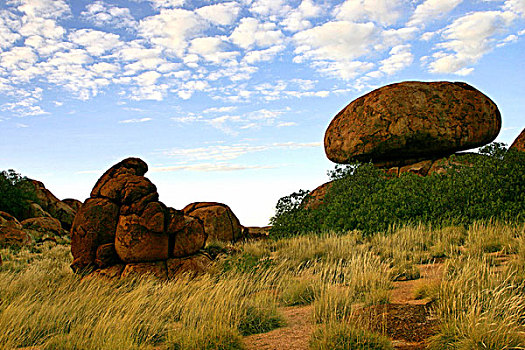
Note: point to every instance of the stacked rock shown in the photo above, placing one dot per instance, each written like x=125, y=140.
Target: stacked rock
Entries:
x=125, y=229
x=411, y=126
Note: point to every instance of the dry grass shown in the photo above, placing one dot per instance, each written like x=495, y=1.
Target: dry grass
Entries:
x=42, y=303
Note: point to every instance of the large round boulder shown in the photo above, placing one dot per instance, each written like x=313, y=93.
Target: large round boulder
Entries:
x=220, y=222
x=411, y=121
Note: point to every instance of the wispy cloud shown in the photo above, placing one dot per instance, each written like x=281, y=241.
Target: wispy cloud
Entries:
x=229, y=152
x=209, y=167
x=142, y=120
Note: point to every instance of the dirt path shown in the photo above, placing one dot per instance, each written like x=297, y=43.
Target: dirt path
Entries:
x=294, y=336
x=405, y=320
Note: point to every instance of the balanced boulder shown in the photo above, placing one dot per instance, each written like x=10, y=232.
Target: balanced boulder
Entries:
x=220, y=222
x=408, y=122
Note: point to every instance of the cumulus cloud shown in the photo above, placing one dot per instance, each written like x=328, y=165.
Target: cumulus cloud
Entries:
x=384, y=12
x=298, y=19
x=95, y=42
x=102, y=14
x=468, y=39
x=172, y=29
x=400, y=58
x=211, y=49
x=250, y=32
x=429, y=10
x=220, y=14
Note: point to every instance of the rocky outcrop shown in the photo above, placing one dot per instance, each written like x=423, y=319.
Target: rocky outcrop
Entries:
x=315, y=199
x=519, y=143
x=43, y=228
x=124, y=224
x=48, y=205
x=410, y=122
x=75, y=204
x=11, y=231
x=220, y=223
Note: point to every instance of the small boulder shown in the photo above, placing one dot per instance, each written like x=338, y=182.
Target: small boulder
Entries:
x=254, y=232
x=220, y=222
x=405, y=123
x=106, y=255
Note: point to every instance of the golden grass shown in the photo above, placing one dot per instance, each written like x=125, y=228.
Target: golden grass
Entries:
x=42, y=303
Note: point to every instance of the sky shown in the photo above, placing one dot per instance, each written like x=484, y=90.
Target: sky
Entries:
x=228, y=101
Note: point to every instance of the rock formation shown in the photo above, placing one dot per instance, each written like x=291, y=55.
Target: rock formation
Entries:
x=123, y=229
x=220, y=222
x=410, y=122
x=519, y=143
x=49, y=205
x=11, y=231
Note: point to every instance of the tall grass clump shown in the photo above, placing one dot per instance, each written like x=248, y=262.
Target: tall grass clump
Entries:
x=346, y=336
x=480, y=304
x=484, y=186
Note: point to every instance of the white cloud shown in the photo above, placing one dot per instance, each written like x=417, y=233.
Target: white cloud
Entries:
x=467, y=39
x=337, y=41
x=270, y=8
x=9, y=27
x=400, y=58
x=384, y=12
x=171, y=29
x=224, y=109
x=517, y=6
x=167, y=3
x=252, y=57
x=43, y=8
x=95, y=42
x=286, y=124
x=102, y=14
x=211, y=49
x=220, y=14
x=133, y=121
x=430, y=10
x=298, y=18
x=230, y=152
x=250, y=32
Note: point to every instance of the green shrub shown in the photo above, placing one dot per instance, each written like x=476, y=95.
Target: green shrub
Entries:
x=481, y=186
x=15, y=192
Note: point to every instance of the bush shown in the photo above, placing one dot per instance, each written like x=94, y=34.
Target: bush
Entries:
x=15, y=193
x=481, y=186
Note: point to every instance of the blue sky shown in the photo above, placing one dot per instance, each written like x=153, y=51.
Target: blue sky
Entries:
x=228, y=100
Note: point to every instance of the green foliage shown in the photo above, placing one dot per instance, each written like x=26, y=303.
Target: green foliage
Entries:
x=481, y=186
x=15, y=192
